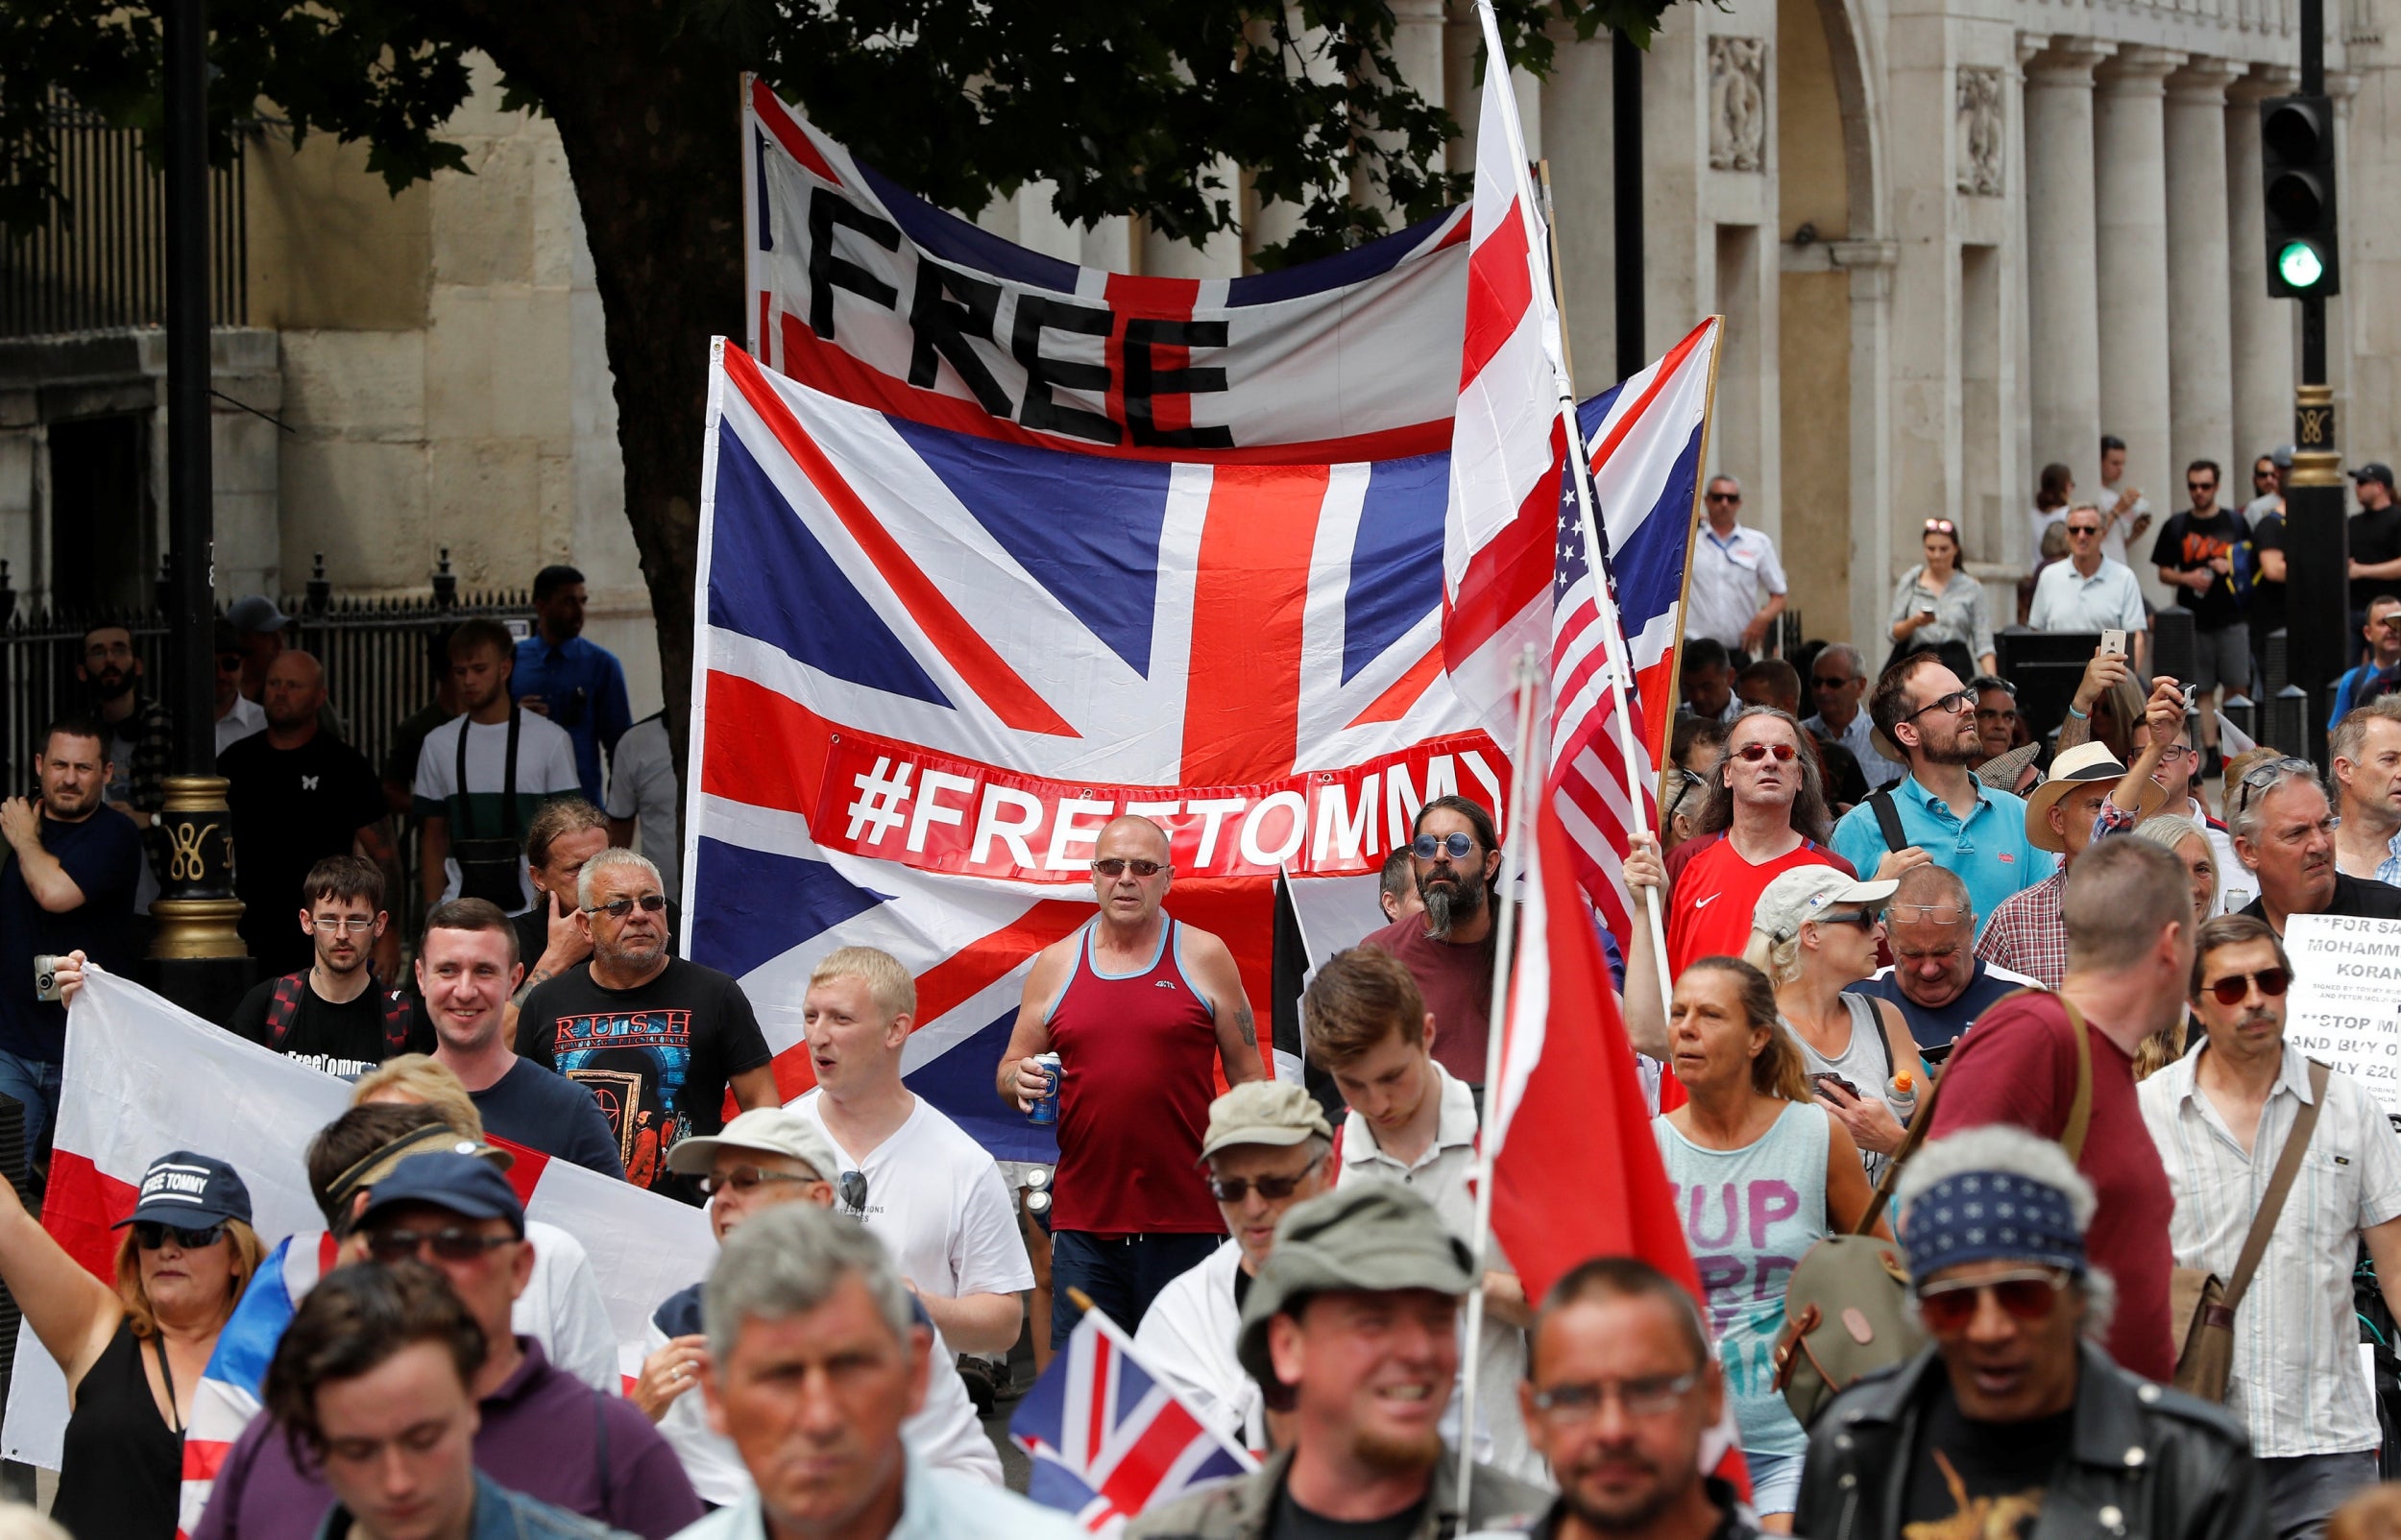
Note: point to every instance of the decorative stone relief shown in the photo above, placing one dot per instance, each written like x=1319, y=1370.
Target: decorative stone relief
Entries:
x=1981, y=131
x=1737, y=104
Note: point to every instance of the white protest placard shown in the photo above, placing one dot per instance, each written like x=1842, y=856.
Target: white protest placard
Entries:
x=2345, y=1005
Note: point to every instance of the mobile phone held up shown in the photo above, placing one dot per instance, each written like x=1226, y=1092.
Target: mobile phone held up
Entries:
x=2113, y=644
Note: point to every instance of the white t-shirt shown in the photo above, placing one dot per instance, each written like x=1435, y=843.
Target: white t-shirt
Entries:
x=943, y=1435
x=642, y=784
x=1187, y=1339
x=1722, y=589
x=563, y=1309
x=545, y=768
x=936, y=1201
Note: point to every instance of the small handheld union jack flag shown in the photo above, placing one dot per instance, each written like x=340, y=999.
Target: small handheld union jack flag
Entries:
x=1109, y=1439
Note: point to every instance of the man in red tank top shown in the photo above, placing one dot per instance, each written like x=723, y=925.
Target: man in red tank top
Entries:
x=1139, y=1009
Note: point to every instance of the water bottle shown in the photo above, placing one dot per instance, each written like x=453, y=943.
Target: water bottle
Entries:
x=1045, y=1108
x=1901, y=1094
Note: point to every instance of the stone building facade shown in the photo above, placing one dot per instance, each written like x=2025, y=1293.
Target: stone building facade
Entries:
x=1952, y=239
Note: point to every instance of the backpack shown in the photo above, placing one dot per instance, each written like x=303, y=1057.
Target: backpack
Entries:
x=400, y=1013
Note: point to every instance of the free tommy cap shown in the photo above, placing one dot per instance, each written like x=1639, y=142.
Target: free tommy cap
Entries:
x=191, y=1191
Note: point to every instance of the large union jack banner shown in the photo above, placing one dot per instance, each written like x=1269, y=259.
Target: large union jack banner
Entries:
x=866, y=291
x=930, y=665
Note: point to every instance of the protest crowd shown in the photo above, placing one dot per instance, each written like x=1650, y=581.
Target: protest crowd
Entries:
x=2016, y=1020
x=1972, y=1173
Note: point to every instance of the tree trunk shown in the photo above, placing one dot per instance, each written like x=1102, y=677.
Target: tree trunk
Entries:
x=650, y=119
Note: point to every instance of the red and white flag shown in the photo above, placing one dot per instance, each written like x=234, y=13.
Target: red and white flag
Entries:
x=144, y=1076
x=1508, y=440
x=1576, y=1168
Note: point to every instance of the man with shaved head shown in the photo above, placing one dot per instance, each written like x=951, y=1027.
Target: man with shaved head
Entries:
x=1136, y=1006
x=298, y=795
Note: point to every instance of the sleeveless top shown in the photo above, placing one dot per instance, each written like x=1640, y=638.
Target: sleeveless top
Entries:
x=1866, y=1062
x=1749, y=1215
x=121, y=1471
x=1138, y=1071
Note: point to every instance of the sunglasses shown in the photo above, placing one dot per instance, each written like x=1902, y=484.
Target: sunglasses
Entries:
x=619, y=908
x=2235, y=988
x=2261, y=778
x=1947, y=1309
x=2084, y=529
x=1273, y=1188
x=1115, y=866
x=150, y=1235
x=450, y=1243
x=1725, y=496
x=1865, y=919
x=1958, y=700
x=743, y=1178
x=1830, y=680
x=1425, y=846
x=1754, y=753
x=1942, y=526
x=2200, y=486
x=853, y=1188
x=1684, y=785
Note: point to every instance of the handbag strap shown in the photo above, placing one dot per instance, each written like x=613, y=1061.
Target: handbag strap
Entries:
x=2296, y=1143
x=2081, y=1110
x=2071, y=1138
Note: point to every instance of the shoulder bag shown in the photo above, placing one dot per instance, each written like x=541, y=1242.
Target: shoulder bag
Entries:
x=1847, y=1306
x=2205, y=1306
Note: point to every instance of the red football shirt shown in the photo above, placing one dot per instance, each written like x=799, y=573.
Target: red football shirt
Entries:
x=1708, y=911
x=2018, y=1066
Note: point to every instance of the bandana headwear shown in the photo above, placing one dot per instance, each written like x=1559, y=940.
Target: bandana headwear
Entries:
x=1991, y=1216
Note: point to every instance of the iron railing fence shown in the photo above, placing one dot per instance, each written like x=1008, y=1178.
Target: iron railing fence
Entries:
x=376, y=651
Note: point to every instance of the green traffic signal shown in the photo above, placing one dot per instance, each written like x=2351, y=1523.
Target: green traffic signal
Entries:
x=2299, y=265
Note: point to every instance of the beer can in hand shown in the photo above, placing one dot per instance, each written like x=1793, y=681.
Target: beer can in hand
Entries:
x=1045, y=1108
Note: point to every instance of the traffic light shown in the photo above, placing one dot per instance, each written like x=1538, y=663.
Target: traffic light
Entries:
x=2296, y=137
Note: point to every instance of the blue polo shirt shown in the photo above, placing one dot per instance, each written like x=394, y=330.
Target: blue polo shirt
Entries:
x=1989, y=851
x=584, y=685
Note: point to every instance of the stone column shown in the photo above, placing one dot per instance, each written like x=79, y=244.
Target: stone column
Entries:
x=2062, y=275
x=2130, y=157
x=2263, y=361
x=2200, y=393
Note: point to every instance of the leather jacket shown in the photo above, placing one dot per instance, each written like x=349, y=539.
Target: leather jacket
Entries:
x=2145, y=1462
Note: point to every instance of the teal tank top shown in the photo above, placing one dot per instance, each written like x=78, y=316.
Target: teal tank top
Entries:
x=1750, y=1215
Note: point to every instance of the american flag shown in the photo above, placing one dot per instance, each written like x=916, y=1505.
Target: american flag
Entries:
x=1108, y=1437
x=1643, y=442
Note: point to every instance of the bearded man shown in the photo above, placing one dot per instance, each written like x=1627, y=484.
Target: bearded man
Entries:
x=1450, y=949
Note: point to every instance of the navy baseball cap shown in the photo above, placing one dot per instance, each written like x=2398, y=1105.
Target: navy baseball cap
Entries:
x=192, y=1191
x=466, y=1185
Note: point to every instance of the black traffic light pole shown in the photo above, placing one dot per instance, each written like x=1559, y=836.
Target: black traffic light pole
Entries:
x=2297, y=133
x=200, y=956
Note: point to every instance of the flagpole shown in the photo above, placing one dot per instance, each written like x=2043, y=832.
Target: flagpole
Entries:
x=1512, y=840
x=1580, y=467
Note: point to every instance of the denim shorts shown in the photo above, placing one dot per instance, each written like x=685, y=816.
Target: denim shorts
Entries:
x=1775, y=1482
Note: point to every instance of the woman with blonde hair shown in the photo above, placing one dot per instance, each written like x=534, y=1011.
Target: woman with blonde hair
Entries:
x=1814, y=933
x=1759, y=1172
x=2189, y=842
x=133, y=1353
